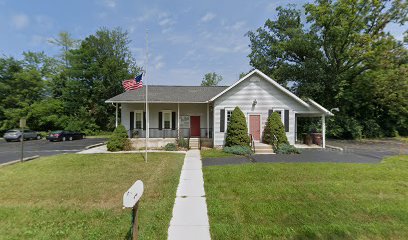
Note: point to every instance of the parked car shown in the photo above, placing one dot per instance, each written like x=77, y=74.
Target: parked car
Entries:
x=63, y=135
x=15, y=135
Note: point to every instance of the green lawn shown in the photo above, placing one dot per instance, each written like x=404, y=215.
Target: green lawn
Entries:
x=215, y=153
x=309, y=200
x=80, y=196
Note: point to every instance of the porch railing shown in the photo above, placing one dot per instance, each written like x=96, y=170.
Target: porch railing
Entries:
x=168, y=133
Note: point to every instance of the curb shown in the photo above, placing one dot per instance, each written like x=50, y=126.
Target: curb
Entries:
x=334, y=147
x=95, y=145
x=17, y=161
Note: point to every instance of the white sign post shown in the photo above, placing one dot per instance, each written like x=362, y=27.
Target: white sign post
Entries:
x=131, y=200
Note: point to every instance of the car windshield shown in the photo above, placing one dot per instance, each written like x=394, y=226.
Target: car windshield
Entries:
x=56, y=132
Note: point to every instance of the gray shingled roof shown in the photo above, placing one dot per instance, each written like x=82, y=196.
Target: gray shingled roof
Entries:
x=170, y=94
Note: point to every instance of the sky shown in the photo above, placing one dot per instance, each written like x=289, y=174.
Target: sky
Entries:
x=186, y=38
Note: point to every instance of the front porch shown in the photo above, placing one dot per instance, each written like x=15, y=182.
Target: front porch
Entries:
x=166, y=123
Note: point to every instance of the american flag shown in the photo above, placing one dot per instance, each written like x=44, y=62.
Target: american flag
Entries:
x=133, y=84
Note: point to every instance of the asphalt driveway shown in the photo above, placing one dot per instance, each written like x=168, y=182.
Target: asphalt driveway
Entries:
x=372, y=151
x=10, y=151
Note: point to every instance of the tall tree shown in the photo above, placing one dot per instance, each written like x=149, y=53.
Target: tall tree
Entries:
x=67, y=43
x=96, y=71
x=331, y=58
x=211, y=79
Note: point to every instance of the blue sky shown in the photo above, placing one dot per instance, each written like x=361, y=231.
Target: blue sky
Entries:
x=186, y=38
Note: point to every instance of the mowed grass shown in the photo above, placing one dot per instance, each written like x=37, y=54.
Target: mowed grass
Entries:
x=215, y=153
x=80, y=196
x=309, y=201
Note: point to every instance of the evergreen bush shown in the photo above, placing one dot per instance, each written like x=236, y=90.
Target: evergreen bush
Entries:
x=119, y=140
x=274, y=126
x=238, y=150
x=287, y=149
x=237, y=131
x=170, y=147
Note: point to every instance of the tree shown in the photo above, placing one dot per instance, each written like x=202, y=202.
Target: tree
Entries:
x=211, y=79
x=237, y=131
x=96, y=71
x=332, y=60
x=20, y=87
x=274, y=128
x=66, y=42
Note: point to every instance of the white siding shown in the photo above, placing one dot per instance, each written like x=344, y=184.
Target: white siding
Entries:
x=267, y=97
x=193, y=109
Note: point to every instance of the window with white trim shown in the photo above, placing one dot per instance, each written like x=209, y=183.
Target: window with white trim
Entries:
x=167, y=119
x=228, y=113
x=138, y=119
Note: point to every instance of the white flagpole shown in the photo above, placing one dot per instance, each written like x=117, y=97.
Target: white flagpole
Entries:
x=147, y=106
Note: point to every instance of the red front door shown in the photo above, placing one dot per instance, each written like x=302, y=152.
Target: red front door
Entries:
x=255, y=126
x=195, y=126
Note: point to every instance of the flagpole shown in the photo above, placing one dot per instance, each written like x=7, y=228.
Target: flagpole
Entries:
x=147, y=106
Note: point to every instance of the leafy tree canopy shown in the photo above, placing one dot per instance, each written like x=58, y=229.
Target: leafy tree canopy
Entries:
x=342, y=57
x=211, y=79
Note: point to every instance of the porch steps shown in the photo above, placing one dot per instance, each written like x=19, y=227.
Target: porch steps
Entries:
x=262, y=148
x=194, y=143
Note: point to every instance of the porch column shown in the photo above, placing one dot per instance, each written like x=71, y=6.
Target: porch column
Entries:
x=296, y=129
x=324, y=131
x=208, y=120
x=116, y=116
x=178, y=120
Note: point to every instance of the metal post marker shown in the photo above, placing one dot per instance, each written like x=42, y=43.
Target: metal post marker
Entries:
x=22, y=125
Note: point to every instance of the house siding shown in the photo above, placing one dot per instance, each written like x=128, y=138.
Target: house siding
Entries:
x=194, y=109
x=267, y=96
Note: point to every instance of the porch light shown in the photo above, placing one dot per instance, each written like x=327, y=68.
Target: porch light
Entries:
x=254, y=102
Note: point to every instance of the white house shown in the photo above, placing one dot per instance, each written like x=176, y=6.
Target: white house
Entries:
x=203, y=112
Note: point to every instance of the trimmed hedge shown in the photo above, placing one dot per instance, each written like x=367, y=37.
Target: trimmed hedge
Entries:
x=119, y=140
x=238, y=150
x=237, y=131
x=274, y=126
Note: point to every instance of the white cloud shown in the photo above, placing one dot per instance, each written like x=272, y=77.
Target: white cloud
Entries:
x=208, y=17
x=110, y=3
x=179, y=39
x=238, y=25
x=20, y=21
x=158, y=62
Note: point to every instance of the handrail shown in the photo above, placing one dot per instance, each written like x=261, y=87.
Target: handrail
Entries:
x=252, y=142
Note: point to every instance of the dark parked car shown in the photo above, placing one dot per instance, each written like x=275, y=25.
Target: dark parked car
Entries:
x=15, y=135
x=64, y=136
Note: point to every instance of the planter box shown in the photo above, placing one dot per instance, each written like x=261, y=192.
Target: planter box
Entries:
x=317, y=138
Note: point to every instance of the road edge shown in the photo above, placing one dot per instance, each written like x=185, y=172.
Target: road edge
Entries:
x=17, y=161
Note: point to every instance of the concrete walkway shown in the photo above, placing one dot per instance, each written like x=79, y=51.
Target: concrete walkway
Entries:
x=190, y=219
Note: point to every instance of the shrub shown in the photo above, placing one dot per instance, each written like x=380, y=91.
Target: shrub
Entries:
x=237, y=131
x=182, y=142
x=238, y=150
x=344, y=127
x=119, y=140
x=371, y=129
x=287, y=149
x=170, y=147
x=274, y=127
